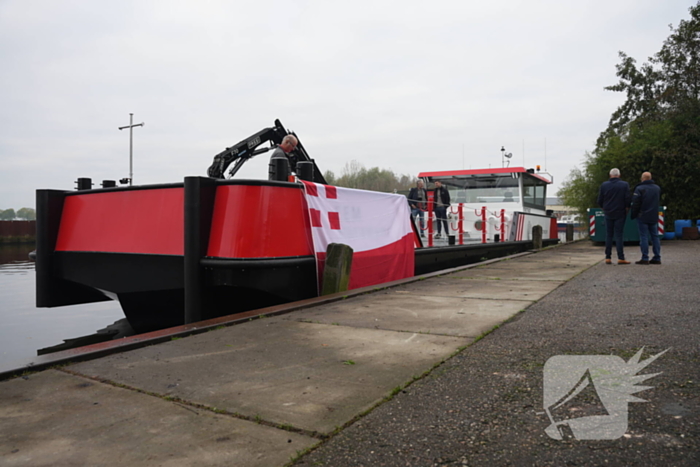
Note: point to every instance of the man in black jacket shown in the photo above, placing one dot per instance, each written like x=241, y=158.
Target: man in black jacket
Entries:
x=614, y=197
x=418, y=200
x=645, y=208
x=442, y=202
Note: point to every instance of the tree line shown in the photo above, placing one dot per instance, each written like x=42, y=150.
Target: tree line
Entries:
x=355, y=175
x=656, y=129
x=23, y=213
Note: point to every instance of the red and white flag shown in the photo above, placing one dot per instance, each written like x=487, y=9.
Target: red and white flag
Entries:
x=377, y=226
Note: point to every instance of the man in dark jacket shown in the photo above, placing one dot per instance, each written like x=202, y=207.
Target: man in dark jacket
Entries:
x=418, y=200
x=288, y=144
x=442, y=202
x=645, y=208
x=614, y=197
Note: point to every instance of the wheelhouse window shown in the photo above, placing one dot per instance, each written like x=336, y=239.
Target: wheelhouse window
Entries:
x=534, y=192
x=483, y=189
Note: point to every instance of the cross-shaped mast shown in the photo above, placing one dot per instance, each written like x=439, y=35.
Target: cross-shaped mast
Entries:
x=131, y=126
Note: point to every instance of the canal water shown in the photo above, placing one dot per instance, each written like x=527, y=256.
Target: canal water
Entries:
x=24, y=328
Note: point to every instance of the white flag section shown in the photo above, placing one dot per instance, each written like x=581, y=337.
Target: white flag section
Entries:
x=377, y=226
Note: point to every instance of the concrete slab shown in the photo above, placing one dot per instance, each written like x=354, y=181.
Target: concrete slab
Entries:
x=514, y=274
x=561, y=257
x=402, y=310
x=547, y=257
x=579, y=261
x=311, y=376
x=52, y=418
x=456, y=286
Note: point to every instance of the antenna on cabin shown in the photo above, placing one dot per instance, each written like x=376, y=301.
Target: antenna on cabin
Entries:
x=505, y=155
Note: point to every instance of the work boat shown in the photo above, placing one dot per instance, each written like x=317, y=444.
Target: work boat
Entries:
x=495, y=205
x=215, y=246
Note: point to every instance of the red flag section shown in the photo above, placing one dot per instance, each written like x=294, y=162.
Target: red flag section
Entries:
x=377, y=226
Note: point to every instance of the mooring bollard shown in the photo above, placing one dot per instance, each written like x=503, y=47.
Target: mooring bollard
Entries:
x=537, y=237
x=569, y=232
x=336, y=271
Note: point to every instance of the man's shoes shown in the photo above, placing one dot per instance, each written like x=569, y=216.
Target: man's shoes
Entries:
x=655, y=261
x=622, y=261
x=608, y=261
x=642, y=261
x=422, y=234
x=437, y=236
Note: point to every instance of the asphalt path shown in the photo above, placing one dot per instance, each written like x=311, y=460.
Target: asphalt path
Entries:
x=484, y=406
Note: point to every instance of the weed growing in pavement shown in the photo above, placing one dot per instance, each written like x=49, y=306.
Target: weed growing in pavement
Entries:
x=348, y=362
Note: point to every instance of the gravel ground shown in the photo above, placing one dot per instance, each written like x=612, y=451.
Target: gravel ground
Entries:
x=484, y=407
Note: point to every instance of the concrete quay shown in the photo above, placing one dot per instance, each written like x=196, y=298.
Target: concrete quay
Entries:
x=399, y=376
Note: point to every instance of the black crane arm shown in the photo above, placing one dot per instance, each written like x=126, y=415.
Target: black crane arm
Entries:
x=244, y=150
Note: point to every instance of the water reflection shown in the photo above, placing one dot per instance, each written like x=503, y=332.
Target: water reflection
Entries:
x=25, y=328
x=16, y=256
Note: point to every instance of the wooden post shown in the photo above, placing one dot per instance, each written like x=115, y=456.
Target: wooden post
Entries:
x=336, y=272
x=537, y=237
x=569, y=232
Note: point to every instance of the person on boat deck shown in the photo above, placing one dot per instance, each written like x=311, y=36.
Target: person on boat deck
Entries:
x=614, y=197
x=442, y=202
x=288, y=144
x=417, y=200
x=645, y=208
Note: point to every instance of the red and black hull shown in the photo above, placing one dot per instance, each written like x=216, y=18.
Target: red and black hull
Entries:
x=175, y=253
x=181, y=253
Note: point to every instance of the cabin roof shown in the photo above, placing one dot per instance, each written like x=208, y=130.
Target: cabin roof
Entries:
x=478, y=172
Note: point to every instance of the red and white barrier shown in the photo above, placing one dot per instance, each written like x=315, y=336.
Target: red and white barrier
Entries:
x=482, y=213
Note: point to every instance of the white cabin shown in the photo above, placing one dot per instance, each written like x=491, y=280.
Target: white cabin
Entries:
x=521, y=193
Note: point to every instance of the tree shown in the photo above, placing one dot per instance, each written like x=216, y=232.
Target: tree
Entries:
x=656, y=129
x=577, y=191
x=7, y=214
x=355, y=175
x=26, y=213
x=330, y=177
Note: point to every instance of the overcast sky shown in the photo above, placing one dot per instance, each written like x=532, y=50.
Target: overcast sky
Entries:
x=407, y=86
